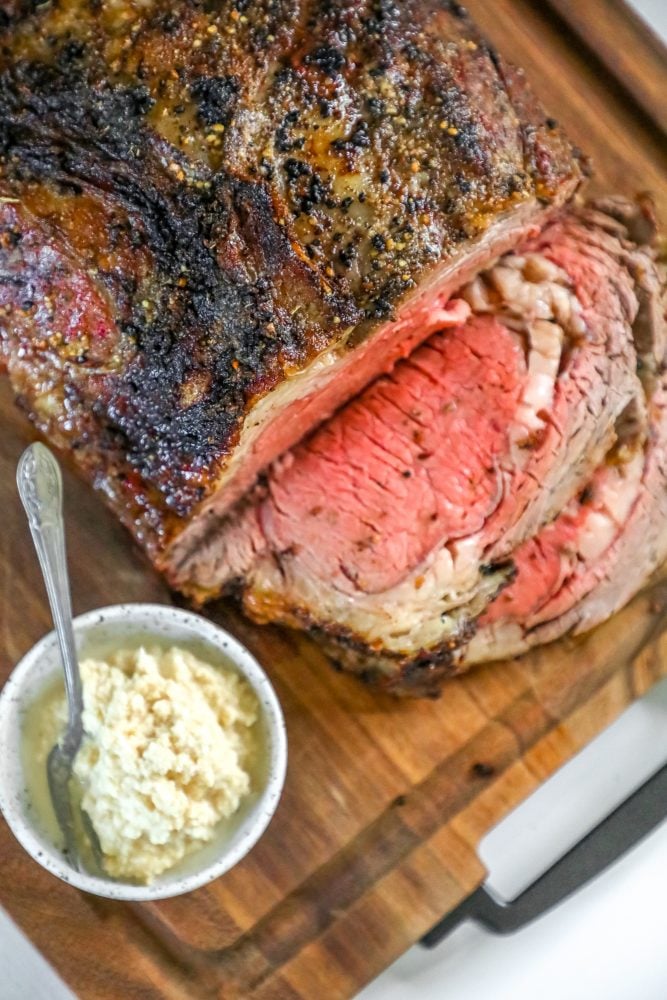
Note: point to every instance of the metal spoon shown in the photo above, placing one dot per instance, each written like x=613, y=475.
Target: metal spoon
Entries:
x=40, y=488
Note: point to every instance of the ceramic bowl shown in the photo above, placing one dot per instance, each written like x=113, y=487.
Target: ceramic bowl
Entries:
x=101, y=631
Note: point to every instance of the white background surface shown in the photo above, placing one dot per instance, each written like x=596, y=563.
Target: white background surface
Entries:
x=609, y=942
x=653, y=11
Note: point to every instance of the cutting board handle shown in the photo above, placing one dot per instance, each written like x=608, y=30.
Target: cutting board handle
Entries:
x=629, y=823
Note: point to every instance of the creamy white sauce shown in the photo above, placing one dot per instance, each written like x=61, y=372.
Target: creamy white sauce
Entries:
x=171, y=750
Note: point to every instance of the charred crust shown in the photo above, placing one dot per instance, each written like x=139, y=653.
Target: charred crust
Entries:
x=215, y=98
x=328, y=58
x=217, y=145
x=416, y=675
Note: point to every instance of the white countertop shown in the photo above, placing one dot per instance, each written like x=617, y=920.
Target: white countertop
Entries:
x=654, y=13
x=606, y=942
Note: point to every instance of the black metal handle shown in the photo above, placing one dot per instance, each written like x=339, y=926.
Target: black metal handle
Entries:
x=634, y=819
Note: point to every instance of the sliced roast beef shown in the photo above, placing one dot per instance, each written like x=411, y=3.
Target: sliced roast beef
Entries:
x=217, y=227
x=393, y=527
x=591, y=560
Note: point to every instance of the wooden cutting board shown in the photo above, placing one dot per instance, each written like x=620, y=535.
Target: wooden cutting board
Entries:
x=375, y=838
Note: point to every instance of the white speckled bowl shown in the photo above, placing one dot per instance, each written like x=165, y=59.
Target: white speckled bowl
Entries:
x=97, y=632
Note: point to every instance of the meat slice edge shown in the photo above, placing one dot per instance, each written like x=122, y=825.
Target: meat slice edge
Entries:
x=598, y=351
x=591, y=561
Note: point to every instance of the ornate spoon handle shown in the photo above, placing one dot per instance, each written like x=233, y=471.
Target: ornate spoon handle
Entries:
x=40, y=488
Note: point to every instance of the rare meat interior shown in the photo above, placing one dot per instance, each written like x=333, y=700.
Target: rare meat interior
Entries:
x=505, y=483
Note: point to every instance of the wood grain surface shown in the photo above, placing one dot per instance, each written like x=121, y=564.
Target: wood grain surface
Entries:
x=626, y=46
x=385, y=802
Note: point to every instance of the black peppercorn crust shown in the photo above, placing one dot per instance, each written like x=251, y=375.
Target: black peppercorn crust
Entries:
x=197, y=200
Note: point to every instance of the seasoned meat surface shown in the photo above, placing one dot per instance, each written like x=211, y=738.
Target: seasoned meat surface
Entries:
x=211, y=215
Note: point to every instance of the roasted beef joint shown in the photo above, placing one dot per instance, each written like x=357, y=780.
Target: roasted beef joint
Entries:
x=223, y=224
x=504, y=484
x=218, y=222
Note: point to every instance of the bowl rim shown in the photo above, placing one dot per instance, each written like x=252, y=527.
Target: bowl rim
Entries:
x=11, y=702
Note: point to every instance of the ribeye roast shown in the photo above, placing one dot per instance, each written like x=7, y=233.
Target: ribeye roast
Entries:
x=220, y=222
x=521, y=456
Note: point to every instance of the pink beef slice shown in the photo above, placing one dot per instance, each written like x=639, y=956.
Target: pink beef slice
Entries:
x=391, y=529
x=198, y=267
x=591, y=560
